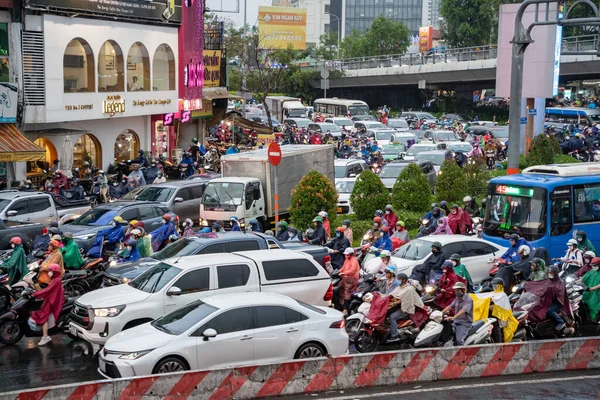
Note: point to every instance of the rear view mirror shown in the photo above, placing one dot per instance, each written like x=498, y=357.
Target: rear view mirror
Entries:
x=11, y=213
x=174, y=291
x=178, y=200
x=209, y=333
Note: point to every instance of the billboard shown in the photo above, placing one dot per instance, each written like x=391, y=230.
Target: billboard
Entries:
x=161, y=11
x=279, y=27
x=191, y=66
x=212, y=68
x=425, y=39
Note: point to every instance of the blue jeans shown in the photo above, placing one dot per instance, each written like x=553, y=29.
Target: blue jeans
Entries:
x=553, y=313
x=394, y=318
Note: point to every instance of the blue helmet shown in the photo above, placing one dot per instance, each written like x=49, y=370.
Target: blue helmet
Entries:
x=205, y=230
x=391, y=269
x=448, y=264
x=253, y=222
x=234, y=218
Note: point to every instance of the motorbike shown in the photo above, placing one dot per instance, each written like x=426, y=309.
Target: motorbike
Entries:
x=372, y=335
x=582, y=154
x=490, y=159
x=355, y=321
x=95, y=197
x=336, y=281
x=86, y=279
x=424, y=228
x=183, y=167
x=366, y=284
x=14, y=323
x=435, y=333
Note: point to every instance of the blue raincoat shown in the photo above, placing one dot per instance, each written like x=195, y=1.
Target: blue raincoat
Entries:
x=162, y=233
x=512, y=254
x=384, y=242
x=133, y=256
x=113, y=235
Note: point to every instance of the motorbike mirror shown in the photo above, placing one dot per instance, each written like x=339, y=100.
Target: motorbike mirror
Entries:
x=178, y=200
x=11, y=213
x=209, y=333
x=175, y=291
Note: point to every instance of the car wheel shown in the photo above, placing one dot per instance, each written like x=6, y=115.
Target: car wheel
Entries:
x=170, y=364
x=310, y=350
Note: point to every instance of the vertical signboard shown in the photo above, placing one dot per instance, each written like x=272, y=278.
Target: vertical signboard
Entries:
x=191, y=44
x=212, y=68
x=557, y=48
x=279, y=27
x=425, y=38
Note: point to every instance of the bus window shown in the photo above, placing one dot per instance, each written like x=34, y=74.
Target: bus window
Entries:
x=587, y=203
x=560, y=217
x=331, y=109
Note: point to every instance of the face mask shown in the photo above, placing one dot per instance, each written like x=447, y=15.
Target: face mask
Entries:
x=114, y=224
x=580, y=239
x=595, y=267
x=445, y=271
x=453, y=211
x=13, y=245
x=454, y=263
x=50, y=273
x=338, y=234
x=345, y=227
x=27, y=186
x=551, y=276
x=124, y=182
x=459, y=294
x=164, y=221
x=388, y=212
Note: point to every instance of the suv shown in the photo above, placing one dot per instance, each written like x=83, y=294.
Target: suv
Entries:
x=297, y=122
x=181, y=197
x=349, y=168
x=39, y=207
x=323, y=127
x=390, y=172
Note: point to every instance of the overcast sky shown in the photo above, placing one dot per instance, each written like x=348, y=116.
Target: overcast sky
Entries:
x=238, y=18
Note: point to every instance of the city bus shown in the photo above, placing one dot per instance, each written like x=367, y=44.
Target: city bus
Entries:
x=546, y=205
x=335, y=107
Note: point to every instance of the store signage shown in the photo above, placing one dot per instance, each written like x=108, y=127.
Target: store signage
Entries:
x=193, y=75
x=212, y=68
x=168, y=119
x=513, y=190
x=79, y=107
x=425, y=38
x=160, y=11
x=113, y=105
x=192, y=104
x=206, y=112
x=151, y=102
x=8, y=102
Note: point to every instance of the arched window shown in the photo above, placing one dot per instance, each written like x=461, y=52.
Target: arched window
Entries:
x=111, y=68
x=138, y=68
x=127, y=145
x=163, y=68
x=87, y=148
x=78, y=67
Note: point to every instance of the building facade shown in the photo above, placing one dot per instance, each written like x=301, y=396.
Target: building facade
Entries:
x=318, y=18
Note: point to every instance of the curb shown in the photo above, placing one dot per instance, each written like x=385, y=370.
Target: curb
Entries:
x=340, y=373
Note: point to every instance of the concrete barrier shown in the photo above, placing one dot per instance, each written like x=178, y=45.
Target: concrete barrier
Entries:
x=340, y=373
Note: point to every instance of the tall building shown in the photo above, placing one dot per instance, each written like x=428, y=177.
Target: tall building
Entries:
x=432, y=16
x=318, y=20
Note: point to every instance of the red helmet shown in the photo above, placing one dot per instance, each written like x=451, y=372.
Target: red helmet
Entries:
x=339, y=229
x=16, y=240
x=167, y=217
x=54, y=268
x=54, y=244
x=595, y=260
x=377, y=220
x=385, y=229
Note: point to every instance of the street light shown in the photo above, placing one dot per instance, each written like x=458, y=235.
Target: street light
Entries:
x=339, y=31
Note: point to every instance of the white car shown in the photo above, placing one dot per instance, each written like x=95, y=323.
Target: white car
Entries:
x=475, y=253
x=226, y=331
x=344, y=189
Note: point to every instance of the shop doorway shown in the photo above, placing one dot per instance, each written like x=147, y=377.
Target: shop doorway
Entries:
x=87, y=148
x=37, y=170
x=51, y=153
x=127, y=146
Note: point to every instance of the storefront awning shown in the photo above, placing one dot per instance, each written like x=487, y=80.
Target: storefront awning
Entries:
x=217, y=93
x=16, y=147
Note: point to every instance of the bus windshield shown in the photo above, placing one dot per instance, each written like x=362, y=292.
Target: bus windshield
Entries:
x=358, y=110
x=516, y=209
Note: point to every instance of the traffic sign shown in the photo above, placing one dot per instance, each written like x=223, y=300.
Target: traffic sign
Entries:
x=532, y=112
x=523, y=120
x=324, y=73
x=274, y=153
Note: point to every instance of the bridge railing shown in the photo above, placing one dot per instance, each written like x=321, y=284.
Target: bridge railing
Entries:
x=580, y=43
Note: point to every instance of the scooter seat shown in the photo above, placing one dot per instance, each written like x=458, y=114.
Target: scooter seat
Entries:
x=93, y=263
x=476, y=325
x=518, y=314
x=73, y=273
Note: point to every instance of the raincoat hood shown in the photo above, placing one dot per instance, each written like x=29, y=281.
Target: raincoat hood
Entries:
x=16, y=262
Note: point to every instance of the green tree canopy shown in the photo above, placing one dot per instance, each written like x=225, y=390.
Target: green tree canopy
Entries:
x=314, y=193
x=385, y=36
x=469, y=23
x=411, y=191
x=451, y=184
x=369, y=195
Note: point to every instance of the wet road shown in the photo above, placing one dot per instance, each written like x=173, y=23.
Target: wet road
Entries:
x=64, y=360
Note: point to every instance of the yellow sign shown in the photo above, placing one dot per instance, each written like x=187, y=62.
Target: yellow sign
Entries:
x=205, y=112
x=113, y=104
x=212, y=68
x=279, y=27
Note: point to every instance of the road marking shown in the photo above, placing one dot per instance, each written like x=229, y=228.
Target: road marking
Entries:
x=471, y=386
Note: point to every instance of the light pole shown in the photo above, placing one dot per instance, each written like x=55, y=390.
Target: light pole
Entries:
x=339, y=31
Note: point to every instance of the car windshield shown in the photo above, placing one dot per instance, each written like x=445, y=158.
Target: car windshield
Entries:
x=296, y=112
x=4, y=203
x=462, y=147
x=384, y=135
x=425, y=116
x=594, y=117
x=340, y=171
x=133, y=194
x=223, y=193
x=151, y=193
x=343, y=122
x=344, y=186
x=414, y=250
x=392, y=149
x=445, y=136
x=96, y=217
x=374, y=125
x=155, y=278
x=358, y=110
x=414, y=150
x=516, y=209
x=179, y=248
x=435, y=158
x=500, y=133
x=391, y=171
x=397, y=123
x=179, y=321
x=330, y=127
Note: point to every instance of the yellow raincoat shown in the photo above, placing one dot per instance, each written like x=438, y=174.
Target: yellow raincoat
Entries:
x=501, y=310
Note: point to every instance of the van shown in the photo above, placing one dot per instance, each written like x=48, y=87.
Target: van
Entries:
x=572, y=115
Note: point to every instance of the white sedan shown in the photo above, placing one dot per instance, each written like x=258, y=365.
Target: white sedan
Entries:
x=475, y=253
x=225, y=331
x=344, y=189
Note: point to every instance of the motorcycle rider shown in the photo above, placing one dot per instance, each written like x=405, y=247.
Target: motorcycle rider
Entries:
x=459, y=221
x=588, y=256
x=254, y=225
x=449, y=278
x=337, y=245
x=572, y=144
x=349, y=272
x=137, y=176
x=29, y=186
x=59, y=181
x=233, y=149
x=102, y=181
x=218, y=226
x=152, y=172
x=141, y=159
x=160, y=178
x=161, y=234
x=461, y=270
x=194, y=149
x=188, y=228
x=591, y=297
x=538, y=269
x=471, y=206
x=384, y=242
x=319, y=235
x=326, y=223
x=490, y=153
x=559, y=301
x=390, y=217
x=71, y=254
x=507, y=272
x=16, y=265
x=463, y=313
x=406, y=297
x=432, y=224
x=512, y=255
x=574, y=256
x=144, y=244
x=347, y=230
x=390, y=283
x=130, y=252
x=282, y=232
x=433, y=265
x=401, y=233
x=187, y=159
x=583, y=243
x=429, y=215
x=54, y=257
x=53, y=299
x=108, y=238
x=77, y=191
x=235, y=224
x=442, y=227
x=386, y=261
x=120, y=190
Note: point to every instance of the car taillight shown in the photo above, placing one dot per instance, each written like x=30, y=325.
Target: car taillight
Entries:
x=326, y=259
x=338, y=324
x=329, y=293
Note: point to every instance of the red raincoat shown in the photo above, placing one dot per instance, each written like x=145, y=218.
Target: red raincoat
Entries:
x=448, y=279
x=391, y=220
x=547, y=290
x=458, y=222
x=54, y=297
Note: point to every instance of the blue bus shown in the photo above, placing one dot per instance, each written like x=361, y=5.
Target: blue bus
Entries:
x=546, y=205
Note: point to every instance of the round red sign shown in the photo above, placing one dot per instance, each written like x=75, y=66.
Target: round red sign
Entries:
x=274, y=153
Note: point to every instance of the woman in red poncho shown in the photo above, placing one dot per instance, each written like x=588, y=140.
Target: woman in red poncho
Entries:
x=445, y=294
x=54, y=297
x=458, y=220
x=349, y=273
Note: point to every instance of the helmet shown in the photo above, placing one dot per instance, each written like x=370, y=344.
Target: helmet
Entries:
x=54, y=244
x=377, y=220
x=131, y=242
x=455, y=257
x=388, y=207
x=448, y=265
x=101, y=172
x=436, y=244
x=234, y=218
x=467, y=199
x=459, y=285
x=595, y=260
x=537, y=262
x=385, y=229
x=443, y=203
x=323, y=214
x=483, y=202
x=349, y=250
x=434, y=205
x=385, y=253
x=140, y=224
x=118, y=219
x=590, y=254
x=28, y=182
x=339, y=229
x=58, y=238
x=572, y=242
x=133, y=222
x=378, y=213
x=205, y=230
x=401, y=223
x=317, y=219
x=167, y=217
x=498, y=281
x=55, y=268
x=16, y=240
x=346, y=222
x=50, y=186
x=76, y=180
x=391, y=269
x=402, y=276
x=253, y=222
x=514, y=237
x=284, y=226
x=188, y=222
x=54, y=231
x=194, y=140
x=524, y=249
x=136, y=232
x=553, y=269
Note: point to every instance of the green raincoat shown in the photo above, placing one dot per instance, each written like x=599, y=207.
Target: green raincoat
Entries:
x=585, y=246
x=71, y=256
x=592, y=299
x=144, y=246
x=461, y=271
x=16, y=262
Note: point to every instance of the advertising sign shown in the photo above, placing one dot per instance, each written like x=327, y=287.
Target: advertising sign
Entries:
x=191, y=66
x=212, y=68
x=557, y=49
x=8, y=103
x=279, y=27
x=162, y=11
x=425, y=38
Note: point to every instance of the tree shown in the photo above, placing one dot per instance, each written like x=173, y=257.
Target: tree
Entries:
x=314, y=193
x=327, y=48
x=369, y=195
x=385, y=36
x=411, y=191
x=477, y=177
x=468, y=23
x=541, y=151
x=451, y=184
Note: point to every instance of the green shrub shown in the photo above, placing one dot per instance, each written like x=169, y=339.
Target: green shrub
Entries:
x=541, y=151
x=369, y=194
x=412, y=220
x=564, y=159
x=555, y=145
x=451, y=184
x=411, y=191
x=314, y=193
x=477, y=177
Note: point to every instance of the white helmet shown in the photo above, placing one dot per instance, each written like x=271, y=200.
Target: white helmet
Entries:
x=572, y=242
x=524, y=249
x=136, y=232
x=590, y=254
x=467, y=199
x=385, y=253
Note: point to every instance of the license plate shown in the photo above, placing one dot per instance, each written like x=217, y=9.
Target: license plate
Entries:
x=73, y=330
x=102, y=364
x=339, y=210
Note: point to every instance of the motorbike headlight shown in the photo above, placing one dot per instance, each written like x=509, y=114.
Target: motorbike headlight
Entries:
x=135, y=355
x=366, y=237
x=125, y=280
x=108, y=312
x=429, y=289
x=514, y=289
x=570, y=279
x=33, y=266
x=85, y=237
x=113, y=263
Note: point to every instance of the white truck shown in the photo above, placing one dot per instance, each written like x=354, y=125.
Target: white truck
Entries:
x=247, y=187
x=282, y=107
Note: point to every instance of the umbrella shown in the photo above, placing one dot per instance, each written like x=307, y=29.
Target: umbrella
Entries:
x=66, y=157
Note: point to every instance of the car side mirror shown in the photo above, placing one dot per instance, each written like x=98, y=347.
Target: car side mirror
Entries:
x=178, y=200
x=174, y=291
x=209, y=333
x=352, y=176
x=11, y=213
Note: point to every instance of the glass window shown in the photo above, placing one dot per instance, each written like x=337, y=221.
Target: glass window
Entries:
x=151, y=193
x=20, y=207
x=213, y=248
x=289, y=269
x=184, y=194
x=240, y=319
x=78, y=67
x=345, y=186
x=194, y=281
x=96, y=217
x=138, y=68
x=560, y=212
x=146, y=213
x=197, y=191
x=232, y=275
x=155, y=278
x=225, y=193
x=586, y=205
x=474, y=249
x=241, y=245
x=269, y=316
x=127, y=146
x=39, y=205
x=414, y=250
x=452, y=248
x=184, y=318
x=111, y=77
x=130, y=214
x=163, y=68
x=181, y=247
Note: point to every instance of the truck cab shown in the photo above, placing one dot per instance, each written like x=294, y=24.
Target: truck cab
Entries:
x=226, y=197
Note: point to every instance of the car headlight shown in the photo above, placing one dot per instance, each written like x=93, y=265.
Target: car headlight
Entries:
x=135, y=355
x=108, y=312
x=204, y=222
x=85, y=237
x=113, y=263
x=125, y=280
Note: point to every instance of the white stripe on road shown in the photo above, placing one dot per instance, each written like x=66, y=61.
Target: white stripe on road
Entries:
x=457, y=387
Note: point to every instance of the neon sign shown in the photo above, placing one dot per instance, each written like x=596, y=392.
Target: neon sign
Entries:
x=514, y=191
